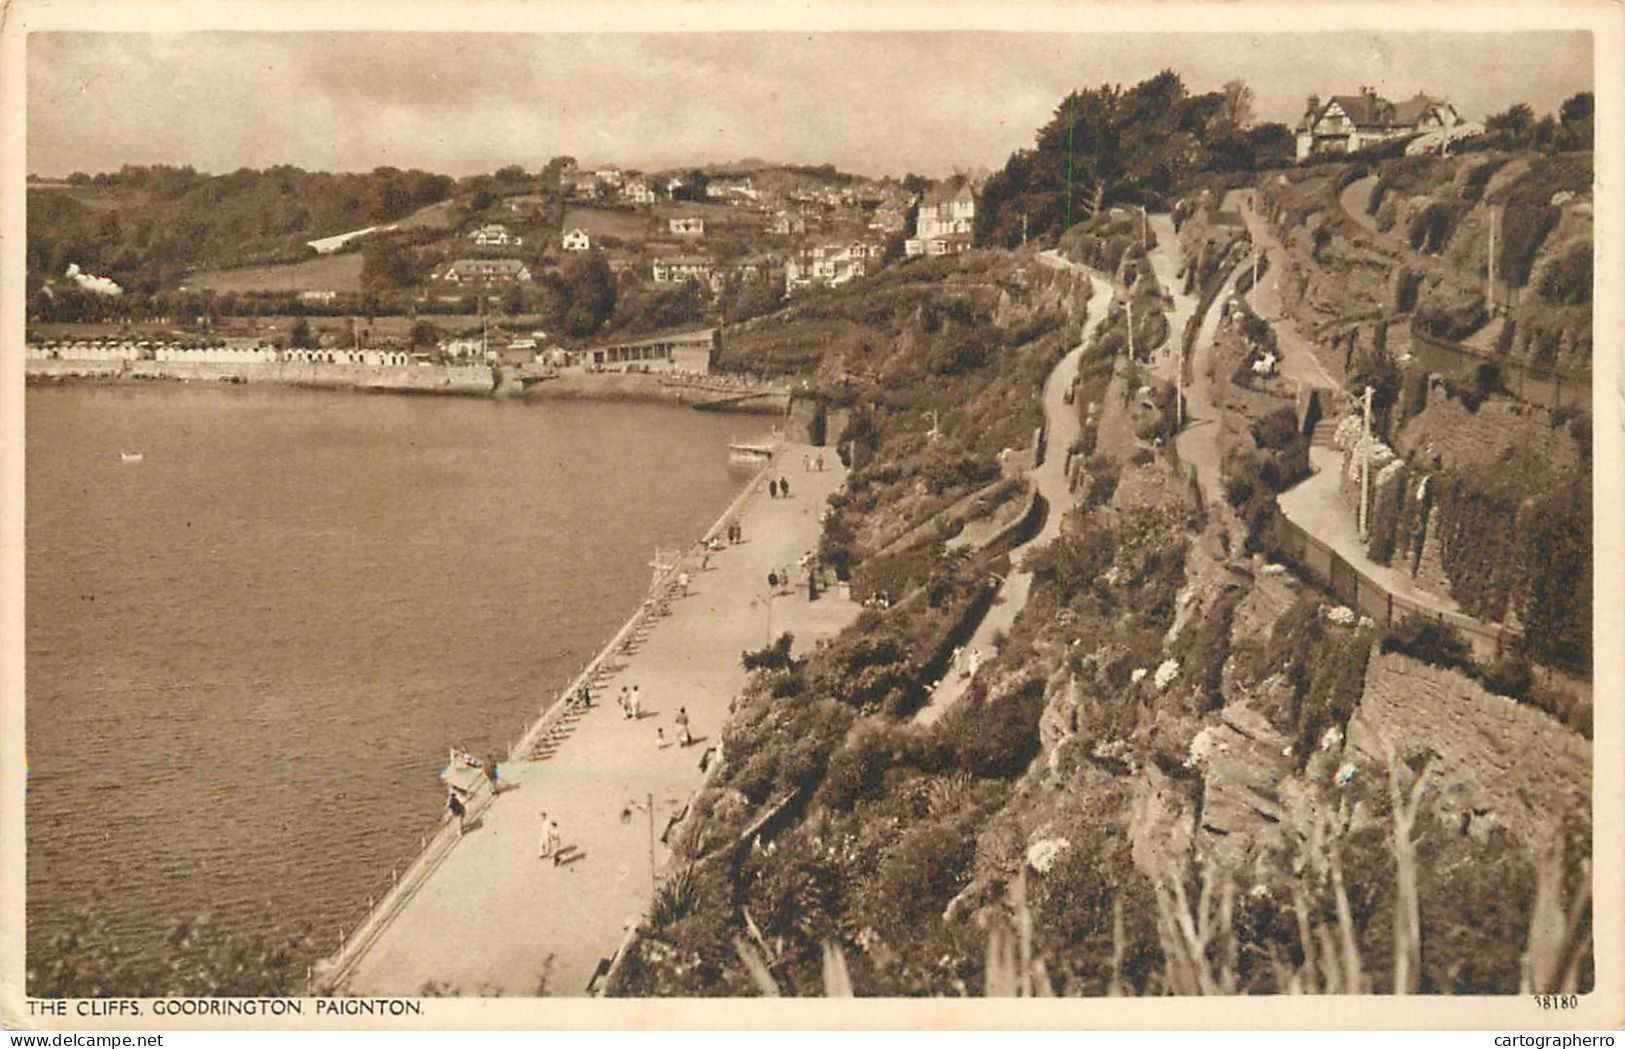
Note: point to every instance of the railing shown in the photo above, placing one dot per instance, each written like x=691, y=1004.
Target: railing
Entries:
x=1370, y=598
x=1546, y=387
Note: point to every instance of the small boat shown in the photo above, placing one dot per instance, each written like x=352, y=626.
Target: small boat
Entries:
x=751, y=451
x=129, y=457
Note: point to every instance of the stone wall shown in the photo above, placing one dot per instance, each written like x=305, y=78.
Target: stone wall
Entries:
x=1465, y=439
x=1497, y=762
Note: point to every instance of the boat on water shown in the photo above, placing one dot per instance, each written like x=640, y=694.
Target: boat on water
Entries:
x=130, y=457
x=751, y=451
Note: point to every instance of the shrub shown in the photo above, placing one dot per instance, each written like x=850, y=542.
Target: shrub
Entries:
x=1523, y=228
x=1432, y=643
x=994, y=739
x=773, y=657
x=1567, y=279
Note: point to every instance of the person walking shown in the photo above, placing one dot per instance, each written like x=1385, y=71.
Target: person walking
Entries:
x=784, y=487
x=819, y=462
x=554, y=841
x=626, y=709
x=773, y=489
x=683, y=737
x=491, y=774
x=634, y=704
x=544, y=844
x=454, y=805
x=682, y=583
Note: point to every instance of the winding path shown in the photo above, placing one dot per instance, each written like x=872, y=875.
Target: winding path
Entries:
x=1062, y=427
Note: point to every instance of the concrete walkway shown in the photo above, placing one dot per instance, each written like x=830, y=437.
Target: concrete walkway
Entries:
x=1316, y=506
x=1063, y=426
x=1165, y=263
x=495, y=918
x=1299, y=360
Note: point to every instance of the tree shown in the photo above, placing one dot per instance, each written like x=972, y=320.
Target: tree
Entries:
x=386, y=264
x=1511, y=126
x=1576, y=115
x=1236, y=104
x=425, y=334
x=299, y=337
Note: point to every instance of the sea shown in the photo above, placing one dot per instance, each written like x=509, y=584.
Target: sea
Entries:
x=249, y=652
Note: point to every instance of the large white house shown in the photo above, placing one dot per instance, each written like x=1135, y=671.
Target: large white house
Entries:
x=576, y=240
x=947, y=218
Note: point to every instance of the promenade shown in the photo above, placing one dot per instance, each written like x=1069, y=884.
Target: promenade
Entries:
x=494, y=918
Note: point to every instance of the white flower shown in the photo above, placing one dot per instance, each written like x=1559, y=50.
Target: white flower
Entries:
x=1041, y=855
x=1332, y=738
x=1342, y=615
x=1138, y=675
x=1166, y=672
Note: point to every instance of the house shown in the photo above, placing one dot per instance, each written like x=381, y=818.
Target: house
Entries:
x=609, y=176
x=318, y=296
x=788, y=224
x=495, y=234
x=1346, y=123
x=638, y=191
x=584, y=185
x=947, y=218
x=688, y=226
x=484, y=271
x=679, y=268
x=889, y=218
x=830, y=265
x=576, y=240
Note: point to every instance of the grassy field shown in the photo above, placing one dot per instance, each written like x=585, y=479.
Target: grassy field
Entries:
x=443, y=215
x=340, y=273
x=599, y=222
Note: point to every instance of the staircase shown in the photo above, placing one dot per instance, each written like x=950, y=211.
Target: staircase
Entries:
x=1325, y=429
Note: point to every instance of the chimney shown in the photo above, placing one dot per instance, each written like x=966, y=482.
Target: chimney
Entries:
x=1314, y=104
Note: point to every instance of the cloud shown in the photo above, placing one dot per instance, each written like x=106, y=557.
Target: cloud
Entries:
x=870, y=102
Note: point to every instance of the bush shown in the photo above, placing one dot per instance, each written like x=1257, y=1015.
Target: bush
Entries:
x=994, y=739
x=1432, y=643
x=1566, y=281
x=774, y=657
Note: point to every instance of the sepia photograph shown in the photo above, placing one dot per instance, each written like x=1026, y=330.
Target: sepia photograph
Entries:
x=518, y=504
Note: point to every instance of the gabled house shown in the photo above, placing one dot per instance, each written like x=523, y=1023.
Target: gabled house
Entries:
x=947, y=218
x=494, y=234
x=679, y=268
x=484, y=271
x=638, y=191
x=1346, y=123
x=576, y=240
x=688, y=226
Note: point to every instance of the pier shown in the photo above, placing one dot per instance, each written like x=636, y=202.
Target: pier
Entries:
x=484, y=913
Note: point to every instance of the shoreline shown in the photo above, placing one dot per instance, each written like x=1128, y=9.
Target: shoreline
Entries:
x=410, y=380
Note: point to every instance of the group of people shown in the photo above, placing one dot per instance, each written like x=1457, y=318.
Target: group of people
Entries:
x=736, y=534
x=631, y=701
x=684, y=737
x=812, y=463
x=779, y=489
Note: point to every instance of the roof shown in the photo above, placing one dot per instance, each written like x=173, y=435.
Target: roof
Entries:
x=1374, y=111
x=499, y=265
x=947, y=191
x=684, y=260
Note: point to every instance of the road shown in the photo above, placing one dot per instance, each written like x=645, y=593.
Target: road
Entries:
x=1062, y=427
x=495, y=918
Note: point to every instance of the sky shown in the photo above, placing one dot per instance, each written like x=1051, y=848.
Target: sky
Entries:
x=873, y=103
